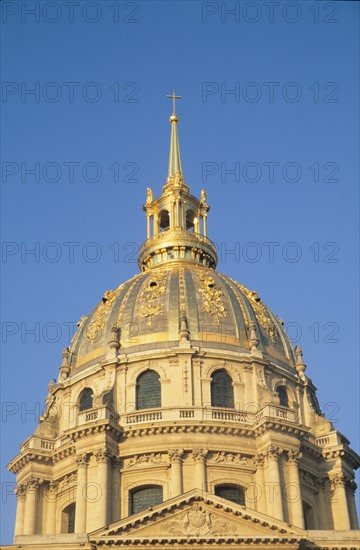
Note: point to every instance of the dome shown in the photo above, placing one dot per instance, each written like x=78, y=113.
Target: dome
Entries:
x=148, y=310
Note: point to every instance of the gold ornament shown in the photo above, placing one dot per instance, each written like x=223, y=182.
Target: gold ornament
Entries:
x=212, y=297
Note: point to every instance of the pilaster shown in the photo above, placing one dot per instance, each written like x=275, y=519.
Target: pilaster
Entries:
x=102, y=459
x=293, y=489
x=273, y=483
x=31, y=505
x=81, y=505
x=339, y=503
x=199, y=457
x=175, y=456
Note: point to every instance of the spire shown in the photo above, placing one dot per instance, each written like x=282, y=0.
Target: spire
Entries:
x=176, y=221
x=174, y=156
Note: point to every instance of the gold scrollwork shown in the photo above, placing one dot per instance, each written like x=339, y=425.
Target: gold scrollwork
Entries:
x=261, y=312
x=150, y=297
x=212, y=297
x=101, y=314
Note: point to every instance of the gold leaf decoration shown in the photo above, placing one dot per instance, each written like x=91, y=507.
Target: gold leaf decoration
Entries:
x=176, y=179
x=261, y=312
x=151, y=296
x=212, y=297
x=101, y=314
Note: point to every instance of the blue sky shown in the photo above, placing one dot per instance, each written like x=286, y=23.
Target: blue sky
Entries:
x=271, y=95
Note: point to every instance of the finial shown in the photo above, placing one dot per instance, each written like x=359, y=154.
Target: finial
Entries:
x=64, y=369
x=300, y=365
x=174, y=97
x=184, y=332
x=114, y=342
x=253, y=340
x=175, y=168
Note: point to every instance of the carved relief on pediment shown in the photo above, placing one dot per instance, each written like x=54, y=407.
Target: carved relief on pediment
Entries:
x=198, y=522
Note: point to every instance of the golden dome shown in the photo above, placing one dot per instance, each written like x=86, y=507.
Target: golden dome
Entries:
x=147, y=311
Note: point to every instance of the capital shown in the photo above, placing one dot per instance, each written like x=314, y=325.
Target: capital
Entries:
x=175, y=455
x=339, y=480
x=20, y=491
x=320, y=483
x=52, y=487
x=259, y=461
x=273, y=453
x=33, y=484
x=102, y=455
x=199, y=455
x=82, y=460
x=293, y=457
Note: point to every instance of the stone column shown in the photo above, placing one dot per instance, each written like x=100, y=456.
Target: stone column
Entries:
x=148, y=226
x=31, y=504
x=260, y=493
x=199, y=456
x=102, y=458
x=339, y=504
x=176, y=471
x=115, y=511
x=273, y=484
x=50, y=496
x=80, y=512
x=20, y=509
x=293, y=489
x=320, y=485
x=351, y=488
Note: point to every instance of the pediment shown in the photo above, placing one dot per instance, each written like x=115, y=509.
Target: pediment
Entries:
x=201, y=517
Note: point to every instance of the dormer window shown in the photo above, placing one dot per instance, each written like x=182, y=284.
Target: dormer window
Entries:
x=222, y=394
x=283, y=396
x=86, y=399
x=148, y=390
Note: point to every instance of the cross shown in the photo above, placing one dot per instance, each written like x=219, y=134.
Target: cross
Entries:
x=174, y=98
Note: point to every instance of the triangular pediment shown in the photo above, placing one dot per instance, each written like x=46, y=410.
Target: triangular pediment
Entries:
x=201, y=517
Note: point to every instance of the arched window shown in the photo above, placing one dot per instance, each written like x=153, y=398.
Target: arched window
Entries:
x=148, y=390
x=283, y=396
x=235, y=493
x=221, y=390
x=68, y=519
x=308, y=516
x=164, y=220
x=143, y=497
x=86, y=399
x=190, y=220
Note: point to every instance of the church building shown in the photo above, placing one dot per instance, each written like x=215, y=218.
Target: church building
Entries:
x=182, y=415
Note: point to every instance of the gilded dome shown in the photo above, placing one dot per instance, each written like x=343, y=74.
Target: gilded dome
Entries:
x=149, y=309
